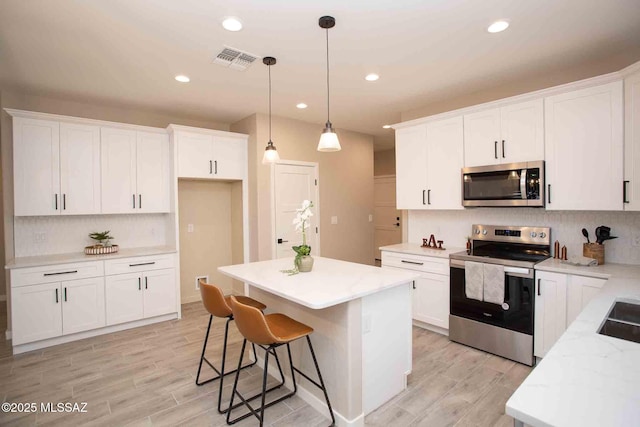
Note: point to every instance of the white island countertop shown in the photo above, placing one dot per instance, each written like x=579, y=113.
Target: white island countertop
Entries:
x=586, y=379
x=331, y=282
x=416, y=249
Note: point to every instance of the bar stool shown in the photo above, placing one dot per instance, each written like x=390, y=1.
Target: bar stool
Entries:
x=272, y=331
x=218, y=305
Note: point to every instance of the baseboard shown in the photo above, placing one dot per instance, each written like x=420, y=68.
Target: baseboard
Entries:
x=432, y=328
x=188, y=300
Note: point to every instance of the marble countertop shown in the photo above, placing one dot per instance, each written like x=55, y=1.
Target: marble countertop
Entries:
x=416, y=249
x=586, y=379
x=36, y=261
x=331, y=282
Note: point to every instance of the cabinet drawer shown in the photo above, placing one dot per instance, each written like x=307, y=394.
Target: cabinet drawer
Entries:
x=416, y=262
x=138, y=264
x=56, y=273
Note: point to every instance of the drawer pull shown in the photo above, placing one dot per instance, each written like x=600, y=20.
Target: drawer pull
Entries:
x=57, y=296
x=142, y=263
x=413, y=262
x=62, y=272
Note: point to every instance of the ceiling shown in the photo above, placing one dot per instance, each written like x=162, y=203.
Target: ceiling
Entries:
x=128, y=52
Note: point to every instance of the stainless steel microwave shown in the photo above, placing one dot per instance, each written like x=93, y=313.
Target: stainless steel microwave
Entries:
x=511, y=184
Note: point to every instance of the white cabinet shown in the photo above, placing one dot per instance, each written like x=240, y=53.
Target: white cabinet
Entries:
x=83, y=305
x=159, y=292
x=584, y=149
x=513, y=133
x=135, y=171
x=211, y=155
x=56, y=168
x=430, y=300
x=428, y=162
x=124, y=298
x=580, y=290
x=632, y=142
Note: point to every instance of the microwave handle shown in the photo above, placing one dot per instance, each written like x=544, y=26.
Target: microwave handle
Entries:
x=523, y=184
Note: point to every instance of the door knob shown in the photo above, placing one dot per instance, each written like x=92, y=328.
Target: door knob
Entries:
x=282, y=241
x=397, y=224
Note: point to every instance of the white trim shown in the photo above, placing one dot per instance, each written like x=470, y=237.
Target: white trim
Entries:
x=22, y=348
x=543, y=93
x=630, y=69
x=193, y=298
x=173, y=128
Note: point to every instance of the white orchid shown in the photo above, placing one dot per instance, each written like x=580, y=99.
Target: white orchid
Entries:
x=301, y=220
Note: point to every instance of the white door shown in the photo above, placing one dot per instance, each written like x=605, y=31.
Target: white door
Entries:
x=195, y=157
x=123, y=298
x=632, y=142
x=580, y=291
x=522, y=132
x=79, y=168
x=36, y=312
x=36, y=167
x=159, y=292
x=293, y=184
x=83, y=305
x=386, y=218
x=228, y=158
x=583, y=149
x=445, y=159
x=550, y=320
x=481, y=138
x=118, y=161
x=431, y=300
x=411, y=167
x=152, y=172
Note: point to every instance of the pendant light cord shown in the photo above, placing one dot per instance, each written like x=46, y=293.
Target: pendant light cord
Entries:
x=269, y=103
x=328, y=121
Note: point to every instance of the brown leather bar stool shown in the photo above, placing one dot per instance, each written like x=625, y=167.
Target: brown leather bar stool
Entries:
x=218, y=305
x=270, y=331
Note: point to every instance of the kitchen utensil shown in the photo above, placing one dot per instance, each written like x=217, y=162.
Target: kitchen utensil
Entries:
x=605, y=238
x=585, y=233
x=599, y=235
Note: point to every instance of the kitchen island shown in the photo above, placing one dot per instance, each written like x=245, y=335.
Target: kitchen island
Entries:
x=361, y=316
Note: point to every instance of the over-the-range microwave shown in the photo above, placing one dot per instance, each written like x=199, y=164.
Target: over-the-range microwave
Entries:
x=511, y=184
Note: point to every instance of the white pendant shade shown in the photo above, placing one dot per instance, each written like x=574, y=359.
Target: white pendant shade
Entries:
x=329, y=141
x=270, y=155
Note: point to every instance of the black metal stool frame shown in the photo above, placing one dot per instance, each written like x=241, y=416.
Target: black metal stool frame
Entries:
x=221, y=373
x=263, y=406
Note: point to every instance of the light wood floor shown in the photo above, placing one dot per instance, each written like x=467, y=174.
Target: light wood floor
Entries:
x=145, y=376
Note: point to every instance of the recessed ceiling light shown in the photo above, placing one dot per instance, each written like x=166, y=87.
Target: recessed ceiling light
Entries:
x=386, y=127
x=301, y=105
x=232, y=23
x=371, y=77
x=498, y=26
x=183, y=79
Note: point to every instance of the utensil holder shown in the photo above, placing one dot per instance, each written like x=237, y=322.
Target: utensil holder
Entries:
x=595, y=251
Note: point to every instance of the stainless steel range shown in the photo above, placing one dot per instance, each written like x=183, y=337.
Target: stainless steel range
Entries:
x=494, y=311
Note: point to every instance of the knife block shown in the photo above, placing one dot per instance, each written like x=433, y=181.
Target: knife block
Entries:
x=595, y=251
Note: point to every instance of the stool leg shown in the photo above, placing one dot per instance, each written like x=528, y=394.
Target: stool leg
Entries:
x=235, y=382
x=264, y=386
x=224, y=357
x=324, y=389
x=293, y=373
x=204, y=348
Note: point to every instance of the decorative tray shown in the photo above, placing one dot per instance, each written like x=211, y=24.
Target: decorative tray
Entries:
x=100, y=250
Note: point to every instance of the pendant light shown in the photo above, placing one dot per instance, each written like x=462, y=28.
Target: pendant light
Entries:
x=270, y=152
x=329, y=138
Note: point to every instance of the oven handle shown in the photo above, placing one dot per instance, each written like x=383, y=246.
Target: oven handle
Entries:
x=523, y=184
x=519, y=271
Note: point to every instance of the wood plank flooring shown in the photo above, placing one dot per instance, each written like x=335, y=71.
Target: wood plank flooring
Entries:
x=145, y=377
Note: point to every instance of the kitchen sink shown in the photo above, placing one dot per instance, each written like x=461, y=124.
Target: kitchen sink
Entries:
x=623, y=322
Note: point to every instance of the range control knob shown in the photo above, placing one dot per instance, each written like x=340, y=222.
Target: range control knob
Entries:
x=542, y=235
x=484, y=232
x=477, y=231
x=534, y=234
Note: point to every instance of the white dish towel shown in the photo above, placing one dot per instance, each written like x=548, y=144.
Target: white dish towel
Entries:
x=493, y=283
x=473, y=280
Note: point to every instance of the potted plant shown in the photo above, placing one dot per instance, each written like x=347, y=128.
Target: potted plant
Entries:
x=102, y=238
x=303, y=261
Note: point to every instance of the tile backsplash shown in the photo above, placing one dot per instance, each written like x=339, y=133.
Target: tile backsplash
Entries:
x=454, y=226
x=48, y=235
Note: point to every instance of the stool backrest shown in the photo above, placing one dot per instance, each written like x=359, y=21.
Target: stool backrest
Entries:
x=213, y=300
x=251, y=323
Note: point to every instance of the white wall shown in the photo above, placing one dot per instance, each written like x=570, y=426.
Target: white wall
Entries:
x=454, y=226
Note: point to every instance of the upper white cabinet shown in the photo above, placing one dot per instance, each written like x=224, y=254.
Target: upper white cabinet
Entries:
x=135, y=171
x=428, y=162
x=513, y=133
x=632, y=142
x=210, y=154
x=56, y=167
x=584, y=148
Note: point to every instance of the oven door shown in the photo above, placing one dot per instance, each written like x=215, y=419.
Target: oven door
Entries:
x=515, y=314
x=514, y=184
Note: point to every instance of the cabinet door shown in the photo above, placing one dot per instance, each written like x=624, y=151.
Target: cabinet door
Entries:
x=82, y=305
x=431, y=300
x=195, y=157
x=583, y=149
x=229, y=158
x=118, y=161
x=123, y=298
x=36, y=167
x=550, y=310
x=444, y=164
x=522, y=132
x=411, y=167
x=481, y=138
x=153, y=172
x=580, y=290
x=36, y=312
x=159, y=292
x=79, y=168
x=632, y=142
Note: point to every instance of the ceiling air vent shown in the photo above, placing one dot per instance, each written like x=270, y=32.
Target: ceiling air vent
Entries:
x=234, y=58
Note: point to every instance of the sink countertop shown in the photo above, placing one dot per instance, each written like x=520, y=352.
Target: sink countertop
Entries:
x=586, y=379
x=416, y=249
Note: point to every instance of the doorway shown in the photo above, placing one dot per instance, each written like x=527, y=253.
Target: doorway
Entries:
x=387, y=219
